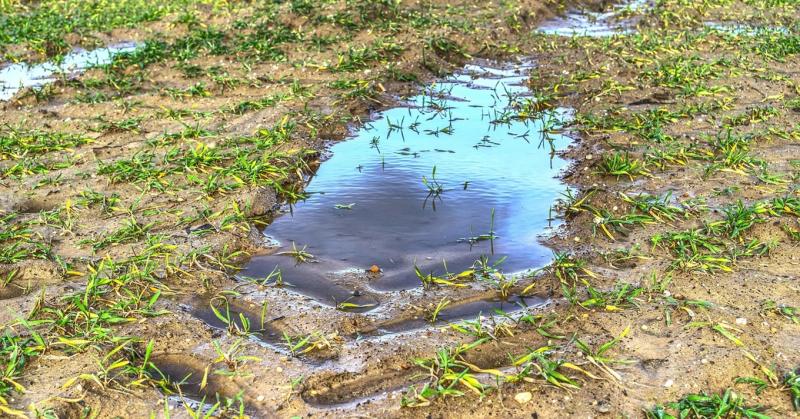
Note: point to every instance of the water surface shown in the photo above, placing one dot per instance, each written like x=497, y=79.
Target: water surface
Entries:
x=495, y=180
x=735, y=28
x=594, y=24
x=15, y=77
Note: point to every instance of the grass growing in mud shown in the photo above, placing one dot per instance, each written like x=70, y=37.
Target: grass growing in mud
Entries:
x=680, y=118
x=140, y=181
x=165, y=183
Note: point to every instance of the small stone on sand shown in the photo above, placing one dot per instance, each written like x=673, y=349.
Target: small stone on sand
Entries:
x=523, y=397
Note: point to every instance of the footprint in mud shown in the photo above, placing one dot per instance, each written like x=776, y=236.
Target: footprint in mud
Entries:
x=186, y=376
x=221, y=313
x=335, y=389
x=330, y=389
x=468, y=309
x=10, y=291
x=23, y=278
x=35, y=206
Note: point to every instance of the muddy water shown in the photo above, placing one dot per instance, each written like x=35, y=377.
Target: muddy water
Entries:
x=586, y=23
x=495, y=180
x=17, y=76
x=262, y=329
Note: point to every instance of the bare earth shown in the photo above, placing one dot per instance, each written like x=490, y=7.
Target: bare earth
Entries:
x=664, y=98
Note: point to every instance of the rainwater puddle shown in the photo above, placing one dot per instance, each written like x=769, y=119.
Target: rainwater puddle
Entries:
x=14, y=77
x=741, y=29
x=593, y=24
x=490, y=179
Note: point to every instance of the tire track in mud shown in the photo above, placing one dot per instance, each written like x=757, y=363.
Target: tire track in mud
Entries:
x=325, y=387
x=331, y=390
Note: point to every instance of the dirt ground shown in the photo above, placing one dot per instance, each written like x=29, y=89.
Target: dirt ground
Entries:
x=130, y=195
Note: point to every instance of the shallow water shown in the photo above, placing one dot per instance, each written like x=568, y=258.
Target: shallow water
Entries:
x=734, y=28
x=14, y=77
x=200, y=307
x=369, y=205
x=593, y=24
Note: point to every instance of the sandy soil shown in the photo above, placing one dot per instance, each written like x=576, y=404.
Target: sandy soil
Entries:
x=672, y=348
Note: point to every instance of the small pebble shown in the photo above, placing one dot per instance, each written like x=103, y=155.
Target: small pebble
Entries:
x=523, y=397
x=669, y=383
x=741, y=321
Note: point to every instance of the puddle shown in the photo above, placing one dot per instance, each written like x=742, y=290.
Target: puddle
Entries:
x=594, y=24
x=495, y=176
x=734, y=28
x=14, y=77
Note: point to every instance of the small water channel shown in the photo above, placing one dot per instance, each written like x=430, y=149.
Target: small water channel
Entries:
x=738, y=29
x=616, y=21
x=15, y=77
x=453, y=176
